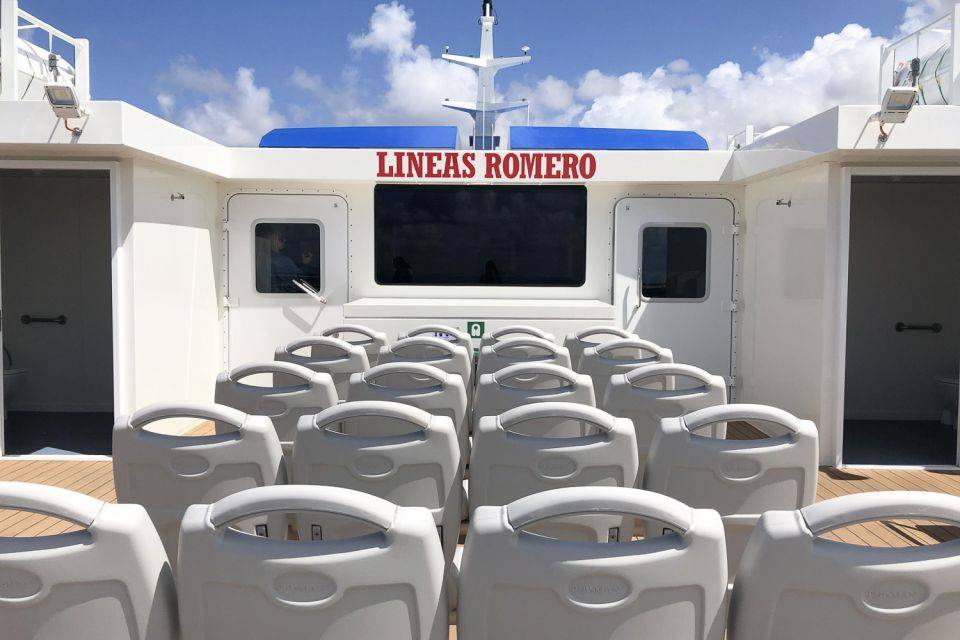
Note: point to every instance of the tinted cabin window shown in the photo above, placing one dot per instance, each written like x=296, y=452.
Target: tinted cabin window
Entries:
x=674, y=262
x=287, y=253
x=480, y=236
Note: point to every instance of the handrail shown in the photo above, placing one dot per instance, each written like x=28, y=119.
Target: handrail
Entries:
x=52, y=30
x=11, y=28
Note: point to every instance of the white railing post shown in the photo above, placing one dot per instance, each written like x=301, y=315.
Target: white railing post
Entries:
x=81, y=68
x=8, y=50
x=954, y=97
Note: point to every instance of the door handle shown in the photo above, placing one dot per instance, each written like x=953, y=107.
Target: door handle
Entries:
x=28, y=319
x=310, y=291
x=900, y=327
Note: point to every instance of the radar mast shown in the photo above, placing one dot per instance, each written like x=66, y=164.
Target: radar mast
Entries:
x=486, y=108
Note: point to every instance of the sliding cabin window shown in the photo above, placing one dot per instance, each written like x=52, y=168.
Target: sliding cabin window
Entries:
x=674, y=262
x=288, y=253
x=482, y=236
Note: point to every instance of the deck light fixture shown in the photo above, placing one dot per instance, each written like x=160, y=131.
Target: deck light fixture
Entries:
x=64, y=100
x=897, y=103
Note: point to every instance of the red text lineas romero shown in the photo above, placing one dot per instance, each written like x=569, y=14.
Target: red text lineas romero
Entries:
x=492, y=166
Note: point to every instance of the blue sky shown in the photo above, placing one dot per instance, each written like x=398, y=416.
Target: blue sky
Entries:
x=595, y=63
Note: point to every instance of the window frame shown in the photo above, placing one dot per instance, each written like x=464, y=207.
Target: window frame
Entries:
x=476, y=289
x=253, y=249
x=708, y=259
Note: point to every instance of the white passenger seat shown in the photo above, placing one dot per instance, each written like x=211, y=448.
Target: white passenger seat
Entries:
x=518, y=585
x=388, y=584
x=795, y=585
x=167, y=473
x=739, y=478
x=371, y=341
x=337, y=357
x=522, y=350
x=521, y=384
x=578, y=341
x=443, y=332
x=394, y=451
x=439, y=353
x=296, y=391
x=620, y=356
x=652, y=392
x=508, y=465
x=418, y=385
x=108, y=581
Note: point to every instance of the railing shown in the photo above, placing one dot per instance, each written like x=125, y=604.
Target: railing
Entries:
x=741, y=138
x=10, y=28
x=935, y=45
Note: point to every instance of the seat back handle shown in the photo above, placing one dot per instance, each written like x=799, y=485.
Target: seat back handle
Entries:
x=286, y=368
x=416, y=369
x=585, y=500
x=203, y=410
x=303, y=498
x=51, y=501
x=866, y=507
x=529, y=369
x=565, y=410
x=736, y=412
x=374, y=409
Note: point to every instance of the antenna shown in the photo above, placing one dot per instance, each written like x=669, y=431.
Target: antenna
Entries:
x=485, y=109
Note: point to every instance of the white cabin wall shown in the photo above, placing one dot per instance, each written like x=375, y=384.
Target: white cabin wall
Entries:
x=788, y=273
x=169, y=282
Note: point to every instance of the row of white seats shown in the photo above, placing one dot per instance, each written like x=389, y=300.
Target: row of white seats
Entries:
x=334, y=353
x=645, y=394
x=412, y=457
x=112, y=580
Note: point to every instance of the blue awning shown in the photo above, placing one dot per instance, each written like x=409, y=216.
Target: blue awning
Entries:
x=362, y=138
x=597, y=139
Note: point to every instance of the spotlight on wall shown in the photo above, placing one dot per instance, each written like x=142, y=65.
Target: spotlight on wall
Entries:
x=64, y=101
x=897, y=103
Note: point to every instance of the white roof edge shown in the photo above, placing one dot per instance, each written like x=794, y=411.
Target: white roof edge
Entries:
x=120, y=130
x=849, y=133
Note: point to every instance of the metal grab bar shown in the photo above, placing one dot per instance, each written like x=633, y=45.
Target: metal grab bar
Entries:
x=28, y=319
x=900, y=327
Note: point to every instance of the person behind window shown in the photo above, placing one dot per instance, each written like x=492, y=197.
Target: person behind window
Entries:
x=283, y=270
x=491, y=275
x=309, y=263
x=402, y=271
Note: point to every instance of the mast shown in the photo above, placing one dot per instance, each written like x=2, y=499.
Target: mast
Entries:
x=485, y=108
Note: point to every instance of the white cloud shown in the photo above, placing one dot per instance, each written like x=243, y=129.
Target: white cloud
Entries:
x=236, y=113
x=167, y=104
x=416, y=81
x=391, y=31
x=921, y=12
x=837, y=68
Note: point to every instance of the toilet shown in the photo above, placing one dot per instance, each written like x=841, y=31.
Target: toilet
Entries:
x=948, y=388
x=12, y=381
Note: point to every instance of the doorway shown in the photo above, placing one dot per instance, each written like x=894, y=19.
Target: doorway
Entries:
x=56, y=294
x=903, y=321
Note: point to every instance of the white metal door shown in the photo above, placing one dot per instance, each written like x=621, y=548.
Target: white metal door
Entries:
x=286, y=270
x=674, y=278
